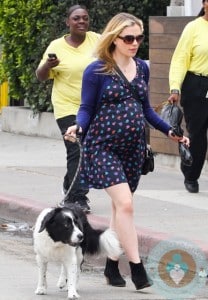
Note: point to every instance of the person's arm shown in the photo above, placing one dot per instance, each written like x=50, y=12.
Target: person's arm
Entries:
x=93, y=85
x=43, y=70
x=153, y=118
x=89, y=99
x=180, y=61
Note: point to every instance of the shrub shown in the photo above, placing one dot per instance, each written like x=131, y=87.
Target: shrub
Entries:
x=27, y=27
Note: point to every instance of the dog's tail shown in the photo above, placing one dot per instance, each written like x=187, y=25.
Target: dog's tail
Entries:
x=103, y=242
x=109, y=243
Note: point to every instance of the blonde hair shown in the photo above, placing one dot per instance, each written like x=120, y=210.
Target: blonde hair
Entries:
x=105, y=46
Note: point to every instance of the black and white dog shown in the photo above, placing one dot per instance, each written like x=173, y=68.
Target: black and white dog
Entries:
x=65, y=235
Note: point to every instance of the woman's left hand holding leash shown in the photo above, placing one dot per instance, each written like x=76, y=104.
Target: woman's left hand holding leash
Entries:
x=72, y=132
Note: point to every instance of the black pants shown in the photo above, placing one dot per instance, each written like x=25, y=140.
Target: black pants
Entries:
x=73, y=156
x=194, y=100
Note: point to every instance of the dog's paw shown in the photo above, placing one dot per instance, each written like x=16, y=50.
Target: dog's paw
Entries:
x=41, y=290
x=61, y=284
x=72, y=294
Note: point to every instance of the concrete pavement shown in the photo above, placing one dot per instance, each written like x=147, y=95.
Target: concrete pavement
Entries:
x=19, y=275
x=32, y=169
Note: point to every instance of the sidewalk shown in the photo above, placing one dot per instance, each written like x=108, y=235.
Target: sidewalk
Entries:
x=31, y=175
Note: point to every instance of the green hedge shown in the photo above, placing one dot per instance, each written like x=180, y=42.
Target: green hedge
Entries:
x=27, y=27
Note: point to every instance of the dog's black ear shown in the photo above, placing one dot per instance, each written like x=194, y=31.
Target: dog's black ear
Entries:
x=48, y=218
x=77, y=211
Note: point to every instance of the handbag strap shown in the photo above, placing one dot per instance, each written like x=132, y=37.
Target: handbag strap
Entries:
x=120, y=73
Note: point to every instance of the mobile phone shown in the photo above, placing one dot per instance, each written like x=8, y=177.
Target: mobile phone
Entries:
x=52, y=55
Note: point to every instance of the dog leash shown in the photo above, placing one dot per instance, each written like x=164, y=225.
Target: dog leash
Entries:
x=73, y=140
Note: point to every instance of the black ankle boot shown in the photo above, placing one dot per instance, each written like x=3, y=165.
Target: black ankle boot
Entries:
x=139, y=276
x=112, y=273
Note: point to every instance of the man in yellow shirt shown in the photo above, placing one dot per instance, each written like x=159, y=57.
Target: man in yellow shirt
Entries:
x=64, y=62
x=188, y=79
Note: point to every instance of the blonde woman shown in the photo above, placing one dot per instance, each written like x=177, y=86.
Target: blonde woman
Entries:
x=112, y=121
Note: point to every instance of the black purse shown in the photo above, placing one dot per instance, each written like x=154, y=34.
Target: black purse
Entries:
x=186, y=157
x=148, y=165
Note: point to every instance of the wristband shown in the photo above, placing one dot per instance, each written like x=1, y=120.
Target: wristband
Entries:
x=174, y=92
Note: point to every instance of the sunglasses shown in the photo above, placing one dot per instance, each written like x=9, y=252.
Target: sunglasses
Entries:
x=129, y=39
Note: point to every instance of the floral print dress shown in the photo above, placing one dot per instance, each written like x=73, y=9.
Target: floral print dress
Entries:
x=114, y=147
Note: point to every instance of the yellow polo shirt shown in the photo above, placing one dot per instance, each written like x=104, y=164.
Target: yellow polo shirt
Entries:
x=67, y=76
x=191, y=53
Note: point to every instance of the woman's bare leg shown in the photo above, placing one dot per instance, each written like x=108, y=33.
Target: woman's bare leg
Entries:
x=123, y=220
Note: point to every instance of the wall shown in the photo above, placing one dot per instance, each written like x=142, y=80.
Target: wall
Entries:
x=164, y=33
x=21, y=120
x=192, y=7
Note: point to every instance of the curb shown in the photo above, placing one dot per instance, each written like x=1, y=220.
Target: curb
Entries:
x=20, y=209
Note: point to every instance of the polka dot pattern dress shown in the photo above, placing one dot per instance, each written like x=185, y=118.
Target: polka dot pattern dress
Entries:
x=114, y=147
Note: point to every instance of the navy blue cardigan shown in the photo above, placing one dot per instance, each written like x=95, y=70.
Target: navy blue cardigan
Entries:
x=93, y=85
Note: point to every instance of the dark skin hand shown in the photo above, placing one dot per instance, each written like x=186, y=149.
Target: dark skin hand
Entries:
x=52, y=62
x=174, y=98
x=42, y=73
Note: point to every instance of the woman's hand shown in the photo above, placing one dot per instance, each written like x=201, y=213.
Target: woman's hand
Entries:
x=71, y=133
x=185, y=140
x=52, y=62
x=43, y=71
